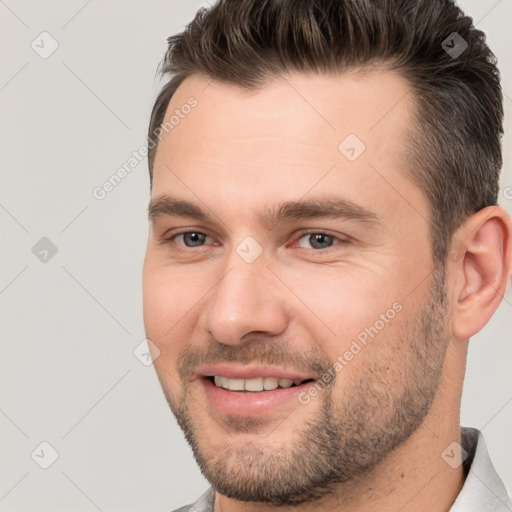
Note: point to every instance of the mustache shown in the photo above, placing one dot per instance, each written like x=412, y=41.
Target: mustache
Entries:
x=258, y=352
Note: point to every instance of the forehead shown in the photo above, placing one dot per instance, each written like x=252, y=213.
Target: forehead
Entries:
x=294, y=134
x=367, y=103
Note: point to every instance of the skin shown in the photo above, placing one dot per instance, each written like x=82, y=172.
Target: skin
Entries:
x=237, y=154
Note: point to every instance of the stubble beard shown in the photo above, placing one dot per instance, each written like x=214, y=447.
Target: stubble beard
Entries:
x=350, y=435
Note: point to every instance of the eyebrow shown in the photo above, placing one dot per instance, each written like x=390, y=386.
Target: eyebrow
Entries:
x=332, y=207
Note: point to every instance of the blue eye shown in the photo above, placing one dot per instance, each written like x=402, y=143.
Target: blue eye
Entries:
x=192, y=238
x=317, y=241
x=314, y=240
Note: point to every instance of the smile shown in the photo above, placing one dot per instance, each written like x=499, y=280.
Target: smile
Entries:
x=256, y=384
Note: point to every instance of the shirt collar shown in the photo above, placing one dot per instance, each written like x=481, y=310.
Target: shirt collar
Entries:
x=483, y=490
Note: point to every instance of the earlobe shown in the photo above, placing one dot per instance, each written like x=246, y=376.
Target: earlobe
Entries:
x=480, y=269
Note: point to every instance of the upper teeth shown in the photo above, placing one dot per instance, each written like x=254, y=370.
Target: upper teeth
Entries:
x=257, y=384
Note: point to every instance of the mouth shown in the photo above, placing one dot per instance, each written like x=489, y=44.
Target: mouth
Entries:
x=240, y=391
x=256, y=384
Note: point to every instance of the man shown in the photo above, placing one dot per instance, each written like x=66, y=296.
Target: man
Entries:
x=324, y=241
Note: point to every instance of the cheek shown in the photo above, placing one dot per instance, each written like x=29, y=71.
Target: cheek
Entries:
x=339, y=304
x=170, y=301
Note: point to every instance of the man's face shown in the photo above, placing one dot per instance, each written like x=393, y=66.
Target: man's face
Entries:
x=309, y=265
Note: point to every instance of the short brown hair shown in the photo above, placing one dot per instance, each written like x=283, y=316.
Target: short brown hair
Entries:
x=454, y=150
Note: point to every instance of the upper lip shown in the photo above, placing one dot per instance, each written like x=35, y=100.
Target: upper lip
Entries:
x=237, y=371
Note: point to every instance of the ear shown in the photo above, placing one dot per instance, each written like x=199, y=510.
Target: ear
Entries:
x=479, y=266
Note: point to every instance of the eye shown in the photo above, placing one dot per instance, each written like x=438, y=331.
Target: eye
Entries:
x=191, y=238
x=317, y=241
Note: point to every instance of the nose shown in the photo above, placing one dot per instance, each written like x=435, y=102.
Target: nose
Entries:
x=245, y=300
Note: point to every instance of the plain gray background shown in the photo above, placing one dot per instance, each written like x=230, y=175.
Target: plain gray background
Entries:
x=70, y=324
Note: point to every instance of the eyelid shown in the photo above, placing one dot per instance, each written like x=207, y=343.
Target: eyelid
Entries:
x=167, y=238
x=339, y=240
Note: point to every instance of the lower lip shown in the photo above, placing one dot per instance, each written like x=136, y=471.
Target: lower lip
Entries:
x=250, y=403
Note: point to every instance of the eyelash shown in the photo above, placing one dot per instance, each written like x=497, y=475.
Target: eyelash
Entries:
x=335, y=239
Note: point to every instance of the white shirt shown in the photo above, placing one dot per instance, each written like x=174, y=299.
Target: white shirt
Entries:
x=483, y=490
